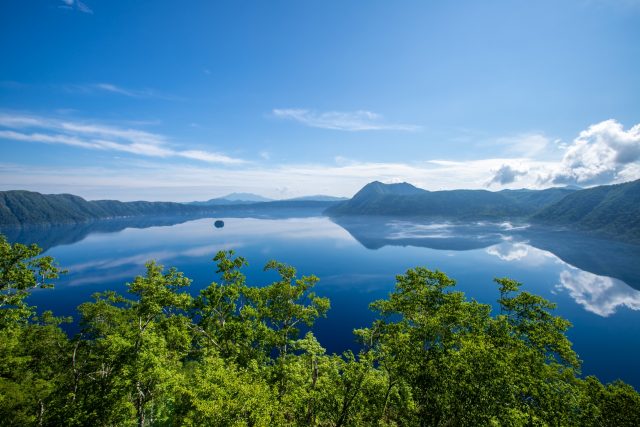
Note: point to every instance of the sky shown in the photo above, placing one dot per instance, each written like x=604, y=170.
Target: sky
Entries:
x=165, y=100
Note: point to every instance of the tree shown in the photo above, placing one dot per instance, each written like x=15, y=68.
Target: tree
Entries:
x=234, y=356
x=31, y=348
x=135, y=347
x=21, y=271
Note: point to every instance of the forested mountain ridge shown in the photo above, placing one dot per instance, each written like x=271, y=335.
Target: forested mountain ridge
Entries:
x=405, y=199
x=27, y=207
x=20, y=207
x=609, y=209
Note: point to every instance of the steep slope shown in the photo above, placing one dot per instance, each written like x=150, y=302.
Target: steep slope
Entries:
x=406, y=200
x=612, y=210
x=27, y=207
x=534, y=200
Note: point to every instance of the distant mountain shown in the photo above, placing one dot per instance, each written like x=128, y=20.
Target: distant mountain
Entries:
x=233, y=199
x=245, y=197
x=611, y=210
x=405, y=199
x=318, y=198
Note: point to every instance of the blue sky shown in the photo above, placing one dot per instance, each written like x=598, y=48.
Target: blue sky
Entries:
x=182, y=101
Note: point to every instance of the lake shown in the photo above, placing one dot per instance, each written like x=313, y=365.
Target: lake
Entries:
x=595, y=283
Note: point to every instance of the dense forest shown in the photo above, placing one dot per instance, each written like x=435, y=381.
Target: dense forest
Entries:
x=404, y=199
x=20, y=208
x=610, y=211
x=236, y=355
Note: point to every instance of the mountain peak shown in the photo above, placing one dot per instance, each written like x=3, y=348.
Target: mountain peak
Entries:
x=380, y=188
x=245, y=197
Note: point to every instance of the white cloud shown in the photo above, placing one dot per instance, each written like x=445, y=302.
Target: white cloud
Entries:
x=524, y=145
x=353, y=121
x=135, y=180
x=506, y=174
x=598, y=294
x=99, y=137
x=108, y=87
x=604, y=153
x=119, y=90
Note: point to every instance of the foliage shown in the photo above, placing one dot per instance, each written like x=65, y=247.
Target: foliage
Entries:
x=233, y=356
x=404, y=199
x=609, y=210
x=19, y=208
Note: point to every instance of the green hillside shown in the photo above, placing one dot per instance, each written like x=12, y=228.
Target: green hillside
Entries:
x=27, y=207
x=406, y=200
x=611, y=210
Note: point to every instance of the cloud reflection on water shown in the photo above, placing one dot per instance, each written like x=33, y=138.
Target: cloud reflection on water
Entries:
x=600, y=295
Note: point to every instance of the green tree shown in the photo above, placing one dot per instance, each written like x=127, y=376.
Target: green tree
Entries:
x=134, y=349
x=21, y=271
x=32, y=348
x=233, y=356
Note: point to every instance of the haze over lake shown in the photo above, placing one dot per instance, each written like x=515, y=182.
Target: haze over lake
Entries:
x=594, y=282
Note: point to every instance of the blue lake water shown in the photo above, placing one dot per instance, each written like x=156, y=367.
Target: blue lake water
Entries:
x=594, y=282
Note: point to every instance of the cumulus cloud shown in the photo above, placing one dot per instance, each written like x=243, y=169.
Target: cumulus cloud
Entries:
x=99, y=137
x=604, y=153
x=352, y=121
x=506, y=175
x=135, y=178
x=599, y=294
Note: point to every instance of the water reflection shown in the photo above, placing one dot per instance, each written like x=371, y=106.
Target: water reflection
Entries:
x=598, y=294
x=52, y=235
x=520, y=251
x=357, y=260
x=598, y=275
x=504, y=240
x=377, y=232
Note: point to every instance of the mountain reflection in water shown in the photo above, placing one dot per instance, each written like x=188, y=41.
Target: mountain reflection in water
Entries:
x=594, y=282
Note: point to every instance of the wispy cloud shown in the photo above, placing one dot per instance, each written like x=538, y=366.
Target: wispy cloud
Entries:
x=135, y=180
x=99, y=137
x=110, y=88
x=132, y=93
x=92, y=89
x=351, y=121
x=78, y=5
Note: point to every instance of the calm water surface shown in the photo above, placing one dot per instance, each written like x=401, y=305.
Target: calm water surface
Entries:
x=593, y=282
